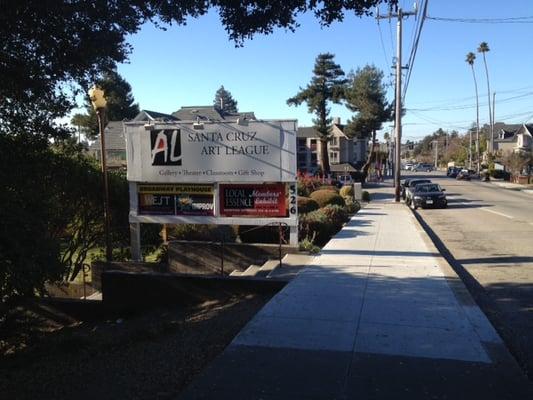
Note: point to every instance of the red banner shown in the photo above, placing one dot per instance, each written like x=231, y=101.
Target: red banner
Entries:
x=253, y=200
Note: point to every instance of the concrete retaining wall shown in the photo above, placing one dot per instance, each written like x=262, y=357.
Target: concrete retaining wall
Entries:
x=130, y=292
x=194, y=257
x=99, y=267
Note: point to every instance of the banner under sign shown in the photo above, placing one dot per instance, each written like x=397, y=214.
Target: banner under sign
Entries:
x=176, y=200
x=253, y=200
x=176, y=189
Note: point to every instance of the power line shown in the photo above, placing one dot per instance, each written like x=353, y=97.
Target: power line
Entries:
x=455, y=100
x=383, y=44
x=414, y=47
x=459, y=124
x=467, y=106
x=512, y=20
x=391, y=37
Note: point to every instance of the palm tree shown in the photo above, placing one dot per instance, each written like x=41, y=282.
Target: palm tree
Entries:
x=470, y=58
x=484, y=48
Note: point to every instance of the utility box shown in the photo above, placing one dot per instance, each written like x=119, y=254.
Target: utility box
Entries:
x=357, y=191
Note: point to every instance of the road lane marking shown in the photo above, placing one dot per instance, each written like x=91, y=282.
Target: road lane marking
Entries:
x=497, y=213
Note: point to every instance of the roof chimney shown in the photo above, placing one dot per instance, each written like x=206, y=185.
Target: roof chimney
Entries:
x=337, y=120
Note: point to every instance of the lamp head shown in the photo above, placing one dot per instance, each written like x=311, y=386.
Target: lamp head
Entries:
x=97, y=97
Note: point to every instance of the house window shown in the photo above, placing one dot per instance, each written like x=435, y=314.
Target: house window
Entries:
x=334, y=141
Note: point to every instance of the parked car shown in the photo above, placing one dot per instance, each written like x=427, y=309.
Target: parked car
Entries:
x=423, y=167
x=345, y=180
x=463, y=175
x=454, y=171
x=408, y=166
x=429, y=195
x=409, y=188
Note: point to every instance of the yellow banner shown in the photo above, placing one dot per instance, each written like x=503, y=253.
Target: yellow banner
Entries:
x=176, y=189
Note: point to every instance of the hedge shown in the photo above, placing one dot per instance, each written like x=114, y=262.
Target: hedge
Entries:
x=306, y=204
x=207, y=233
x=326, y=197
x=347, y=191
x=352, y=206
x=261, y=234
x=315, y=225
x=337, y=215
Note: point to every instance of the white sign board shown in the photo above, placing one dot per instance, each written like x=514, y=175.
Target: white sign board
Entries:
x=208, y=152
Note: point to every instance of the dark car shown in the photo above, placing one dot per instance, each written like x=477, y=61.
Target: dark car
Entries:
x=409, y=188
x=463, y=175
x=428, y=195
x=453, y=171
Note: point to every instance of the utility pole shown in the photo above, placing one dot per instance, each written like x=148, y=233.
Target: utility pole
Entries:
x=492, y=123
x=436, y=154
x=398, y=107
x=470, y=149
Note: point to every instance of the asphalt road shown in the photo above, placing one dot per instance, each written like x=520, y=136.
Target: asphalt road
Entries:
x=487, y=234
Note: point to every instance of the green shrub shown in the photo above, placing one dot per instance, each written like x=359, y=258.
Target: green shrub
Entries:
x=262, y=234
x=303, y=191
x=499, y=174
x=326, y=197
x=306, y=204
x=352, y=206
x=328, y=187
x=365, y=196
x=347, y=191
x=207, y=233
x=307, y=245
x=317, y=225
x=336, y=215
x=310, y=184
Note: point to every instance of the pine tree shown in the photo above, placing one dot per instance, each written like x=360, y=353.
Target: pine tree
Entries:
x=366, y=95
x=120, y=104
x=224, y=101
x=327, y=85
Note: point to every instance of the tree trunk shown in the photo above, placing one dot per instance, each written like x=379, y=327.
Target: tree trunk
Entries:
x=324, y=156
x=370, y=158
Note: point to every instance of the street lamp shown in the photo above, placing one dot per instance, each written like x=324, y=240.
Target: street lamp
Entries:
x=99, y=102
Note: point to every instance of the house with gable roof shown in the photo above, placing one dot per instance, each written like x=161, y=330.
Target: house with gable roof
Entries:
x=345, y=153
x=515, y=138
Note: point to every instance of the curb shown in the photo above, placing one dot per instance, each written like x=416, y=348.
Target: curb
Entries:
x=470, y=293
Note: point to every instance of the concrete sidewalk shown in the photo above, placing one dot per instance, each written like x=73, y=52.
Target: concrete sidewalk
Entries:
x=377, y=315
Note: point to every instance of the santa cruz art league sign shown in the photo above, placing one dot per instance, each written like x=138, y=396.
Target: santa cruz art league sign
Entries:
x=260, y=151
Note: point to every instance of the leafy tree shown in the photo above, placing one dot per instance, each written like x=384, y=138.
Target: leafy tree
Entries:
x=327, y=85
x=52, y=212
x=120, y=104
x=517, y=161
x=224, y=101
x=470, y=58
x=366, y=96
x=48, y=45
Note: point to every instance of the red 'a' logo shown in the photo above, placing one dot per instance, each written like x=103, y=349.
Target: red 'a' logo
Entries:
x=166, y=147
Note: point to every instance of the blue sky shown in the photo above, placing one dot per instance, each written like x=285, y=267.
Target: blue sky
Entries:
x=185, y=65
